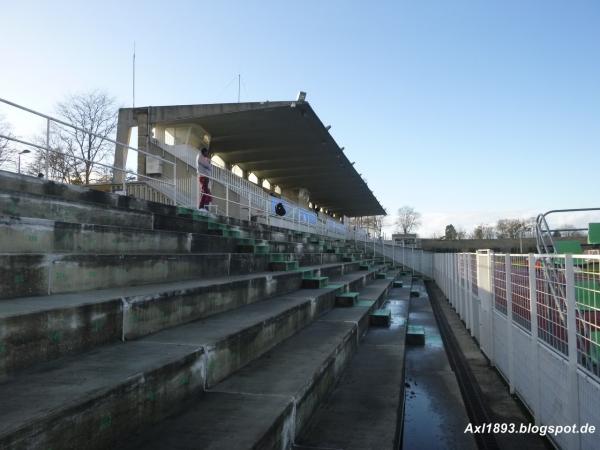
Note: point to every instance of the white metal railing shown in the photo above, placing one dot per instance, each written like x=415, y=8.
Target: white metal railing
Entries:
x=47, y=148
x=508, y=306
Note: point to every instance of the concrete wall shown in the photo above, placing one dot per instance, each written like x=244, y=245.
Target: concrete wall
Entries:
x=499, y=245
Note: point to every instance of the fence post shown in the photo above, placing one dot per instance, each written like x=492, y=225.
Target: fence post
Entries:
x=534, y=337
x=509, y=321
x=465, y=291
x=467, y=294
x=484, y=263
x=249, y=208
x=572, y=343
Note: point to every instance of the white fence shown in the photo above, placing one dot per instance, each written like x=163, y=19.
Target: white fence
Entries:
x=548, y=349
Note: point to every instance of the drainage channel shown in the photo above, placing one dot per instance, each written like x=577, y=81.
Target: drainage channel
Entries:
x=435, y=415
x=471, y=393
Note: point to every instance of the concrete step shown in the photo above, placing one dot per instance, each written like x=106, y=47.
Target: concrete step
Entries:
x=25, y=275
x=24, y=184
x=346, y=299
x=33, y=206
x=284, y=265
x=38, y=329
x=30, y=235
x=270, y=401
x=340, y=422
x=24, y=196
x=114, y=390
x=45, y=274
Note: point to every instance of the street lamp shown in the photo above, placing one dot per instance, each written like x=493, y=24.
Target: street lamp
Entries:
x=21, y=153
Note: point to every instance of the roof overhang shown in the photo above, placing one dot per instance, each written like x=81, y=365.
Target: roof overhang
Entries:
x=284, y=142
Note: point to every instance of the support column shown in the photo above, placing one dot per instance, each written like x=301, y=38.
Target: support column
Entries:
x=143, y=138
x=124, y=125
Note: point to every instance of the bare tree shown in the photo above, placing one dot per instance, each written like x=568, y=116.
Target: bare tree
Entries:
x=7, y=152
x=76, y=153
x=510, y=228
x=483, y=232
x=408, y=219
x=570, y=230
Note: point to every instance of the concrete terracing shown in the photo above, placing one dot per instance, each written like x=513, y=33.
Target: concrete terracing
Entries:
x=116, y=314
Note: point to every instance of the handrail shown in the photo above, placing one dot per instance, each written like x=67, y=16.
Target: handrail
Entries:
x=41, y=147
x=83, y=130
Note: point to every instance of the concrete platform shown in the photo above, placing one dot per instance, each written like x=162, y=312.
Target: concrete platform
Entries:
x=435, y=414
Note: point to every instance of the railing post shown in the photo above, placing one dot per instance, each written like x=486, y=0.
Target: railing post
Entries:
x=47, y=148
x=226, y=199
x=267, y=215
x=573, y=395
x=509, y=321
x=249, y=208
x=534, y=337
x=175, y=182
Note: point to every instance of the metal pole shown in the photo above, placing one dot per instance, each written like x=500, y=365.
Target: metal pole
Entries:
x=175, y=182
x=226, y=199
x=534, y=338
x=570, y=300
x=521, y=242
x=19, y=164
x=47, y=147
x=267, y=215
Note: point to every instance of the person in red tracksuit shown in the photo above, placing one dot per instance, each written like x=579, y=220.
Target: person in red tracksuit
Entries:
x=204, y=171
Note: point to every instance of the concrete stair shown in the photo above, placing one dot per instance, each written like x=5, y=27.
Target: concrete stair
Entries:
x=126, y=386
x=269, y=402
x=116, y=314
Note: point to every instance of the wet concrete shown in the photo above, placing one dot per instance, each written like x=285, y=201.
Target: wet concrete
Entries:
x=435, y=416
x=502, y=406
x=365, y=409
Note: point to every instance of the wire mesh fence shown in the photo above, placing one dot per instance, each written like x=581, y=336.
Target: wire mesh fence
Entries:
x=519, y=276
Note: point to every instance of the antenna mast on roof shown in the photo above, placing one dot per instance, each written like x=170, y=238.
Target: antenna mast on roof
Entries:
x=133, y=74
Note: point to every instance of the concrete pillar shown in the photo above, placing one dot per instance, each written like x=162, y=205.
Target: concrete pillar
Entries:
x=143, y=137
x=124, y=125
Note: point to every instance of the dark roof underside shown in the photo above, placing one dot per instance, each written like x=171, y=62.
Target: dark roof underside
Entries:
x=289, y=146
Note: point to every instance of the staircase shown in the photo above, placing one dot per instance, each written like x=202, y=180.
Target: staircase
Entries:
x=130, y=324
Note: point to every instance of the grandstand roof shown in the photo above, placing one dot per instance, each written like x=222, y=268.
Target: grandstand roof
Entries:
x=284, y=142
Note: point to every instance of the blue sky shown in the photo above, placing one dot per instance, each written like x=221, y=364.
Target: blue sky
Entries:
x=467, y=110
